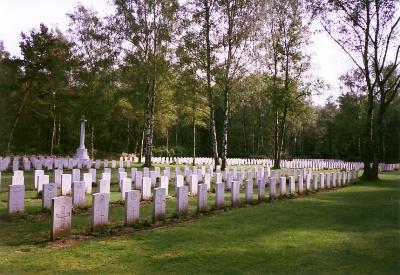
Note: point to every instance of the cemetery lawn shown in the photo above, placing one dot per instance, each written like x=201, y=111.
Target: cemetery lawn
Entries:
x=352, y=230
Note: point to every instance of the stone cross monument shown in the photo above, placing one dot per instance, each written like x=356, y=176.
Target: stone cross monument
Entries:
x=81, y=152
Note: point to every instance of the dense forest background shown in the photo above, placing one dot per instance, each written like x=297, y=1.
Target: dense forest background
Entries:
x=152, y=71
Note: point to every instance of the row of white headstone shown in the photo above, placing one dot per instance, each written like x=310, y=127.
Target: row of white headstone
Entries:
x=51, y=163
x=61, y=206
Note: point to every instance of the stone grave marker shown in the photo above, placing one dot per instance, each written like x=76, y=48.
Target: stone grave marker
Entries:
x=61, y=212
x=201, y=197
x=44, y=179
x=104, y=186
x=182, y=201
x=235, y=194
x=272, y=188
x=300, y=184
x=164, y=181
x=219, y=195
x=249, y=191
x=132, y=207
x=49, y=192
x=159, y=204
x=16, y=199
x=78, y=193
x=146, y=188
x=126, y=185
x=66, y=182
x=76, y=175
x=100, y=206
x=87, y=179
x=261, y=189
x=282, y=186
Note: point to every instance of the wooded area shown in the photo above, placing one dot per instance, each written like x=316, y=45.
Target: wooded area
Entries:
x=220, y=78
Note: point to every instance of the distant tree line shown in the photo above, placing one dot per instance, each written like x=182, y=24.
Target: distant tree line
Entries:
x=219, y=78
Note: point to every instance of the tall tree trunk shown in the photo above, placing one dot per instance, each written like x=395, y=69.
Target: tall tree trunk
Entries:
x=59, y=132
x=368, y=152
x=194, y=143
x=92, y=142
x=276, y=142
x=149, y=131
x=141, y=146
x=53, y=133
x=225, y=129
x=212, y=127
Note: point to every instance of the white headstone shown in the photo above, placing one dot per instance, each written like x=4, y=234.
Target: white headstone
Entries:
x=49, y=192
x=219, y=195
x=16, y=199
x=235, y=194
x=126, y=185
x=249, y=191
x=66, y=182
x=182, y=199
x=44, y=179
x=282, y=185
x=87, y=179
x=100, y=206
x=261, y=189
x=159, y=204
x=61, y=213
x=78, y=193
x=164, y=181
x=104, y=186
x=201, y=197
x=146, y=188
x=132, y=206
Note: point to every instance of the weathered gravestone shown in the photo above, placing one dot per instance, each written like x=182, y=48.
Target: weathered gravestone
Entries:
x=100, y=206
x=207, y=180
x=315, y=182
x=17, y=180
x=249, y=191
x=57, y=177
x=164, y=181
x=43, y=179
x=201, y=197
x=138, y=179
x=104, y=186
x=300, y=184
x=61, y=213
x=16, y=199
x=261, y=189
x=193, y=184
x=132, y=206
x=328, y=180
x=282, y=185
x=272, y=188
x=78, y=193
x=219, y=195
x=182, y=201
x=49, y=192
x=235, y=194
x=146, y=188
x=322, y=181
x=94, y=174
x=76, y=175
x=87, y=179
x=159, y=204
x=126, y=185
x=292, y=185
x=66, y=184
x=308, y=182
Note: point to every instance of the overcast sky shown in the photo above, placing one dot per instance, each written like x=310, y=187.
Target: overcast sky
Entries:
x=17, y=16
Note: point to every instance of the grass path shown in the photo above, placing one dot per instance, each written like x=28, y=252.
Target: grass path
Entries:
x=352, y=230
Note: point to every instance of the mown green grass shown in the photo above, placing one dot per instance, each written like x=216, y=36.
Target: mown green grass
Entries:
x=352, y=230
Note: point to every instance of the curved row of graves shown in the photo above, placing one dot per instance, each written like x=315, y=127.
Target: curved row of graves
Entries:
x=69, y=190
